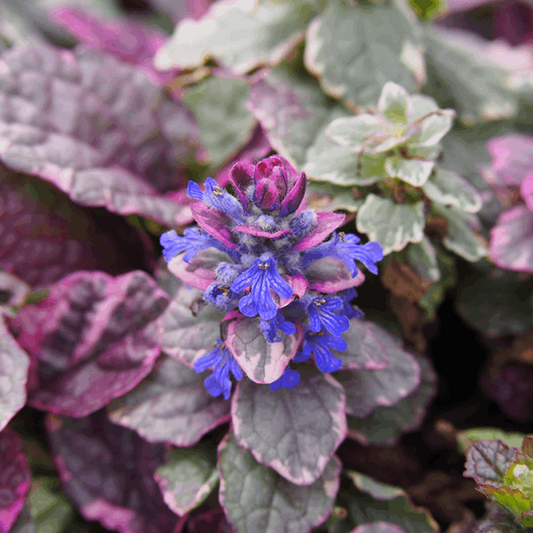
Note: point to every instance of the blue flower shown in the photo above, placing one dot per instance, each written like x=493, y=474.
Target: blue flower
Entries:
x=261, y=277
x=222, y=362
x=347, y=249
x=320, y=344
x=320, y=313
x=193, y=241
x=219, y=296
x=270, y=327
x=288, y=380
x=349, y=310
x=215, y=196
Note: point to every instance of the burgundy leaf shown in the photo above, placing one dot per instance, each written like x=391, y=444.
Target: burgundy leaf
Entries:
x=250, y=229
x=331, y=275
x=15, y=478
x=326, y=223
x=526, y=191
x=215, y=222
x=511, y=240
x=92, y=339
x=108, y=472
x=309, y=424
x=262, y=361
x=170, y=405
x=97, y=128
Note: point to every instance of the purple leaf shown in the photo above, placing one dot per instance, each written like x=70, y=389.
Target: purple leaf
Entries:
x=512, y=158
x=258, y=232
x=526, y=191
x=14, y=363
x=262, y=361
x=256, y=498
x=295, y=432
x=127, y=40
x=331, y=275
x=370, y=347
x=188, y=335
x=326, y=223
x=170, y=405
x=199, y=272
x=387, y=424
x=512, y=388
x=107, y=471
x=44, y=236
x=92, y=339
x=378, y=527
x=366, y=390
x=15, y=478
x=511, y=240
x=487, y=461
x=95, y=127
x=215, y=222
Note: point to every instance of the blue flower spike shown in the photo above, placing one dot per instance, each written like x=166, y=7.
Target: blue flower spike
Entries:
x=269, y=242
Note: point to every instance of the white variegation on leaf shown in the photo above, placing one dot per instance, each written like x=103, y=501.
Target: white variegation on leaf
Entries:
x=392, y=225
x=449, y=188
x=423, y=257
x=353, y=132
x=395, y=103
x=413, y=171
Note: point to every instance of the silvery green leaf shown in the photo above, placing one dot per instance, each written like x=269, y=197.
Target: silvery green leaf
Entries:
x=219, y=105
x=310, y=424
x=449, y=188
x=433, y=128
x=467, y=74
x=267, y=31
x=256, y=498
x=327, y=197
x=353, y=132
x=392, y=225
x=395, y=103
x=413, y=171
x=187, y=476
x=355, y=48
x=461, y=239
x=423, y=257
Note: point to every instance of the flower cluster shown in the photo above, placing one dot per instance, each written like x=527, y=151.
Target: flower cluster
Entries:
x=262, y=255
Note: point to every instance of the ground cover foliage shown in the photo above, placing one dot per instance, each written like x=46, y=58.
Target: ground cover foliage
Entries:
x=265, y=266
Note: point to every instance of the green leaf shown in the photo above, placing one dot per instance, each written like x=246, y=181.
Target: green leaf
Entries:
x=327, y=160
x=432, y=128
x=461, y=239
x=256, y=498
x=291, y=111
x=170, y=405
x=395, y=103
x=328, y=197
x=187, y=476
x=413, y=171
x=219, y=105
x=352, y=132
x=449, y=188
x=309, y=424
x=267, y=32
x=423, y=257
x=495, y=307
x=392, y=225
x=355, y=48
x=466, y=73
x=387, y=424
x=371, y=501
x=468, y=436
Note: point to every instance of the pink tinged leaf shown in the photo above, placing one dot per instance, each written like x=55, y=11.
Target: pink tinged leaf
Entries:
x=108, y=473
x=526, y=191
x=215, y=222
x=512, y=159
x=93, y=339
x=258, y=232
x=15, y=478
x=378, y=527
x=14, y=365
x=298, y=285
x=331, y=275
x=295, y=432
x=366, y=390
x=171, y=405
x=326, y=223
x=199, y=272
x=511, y=240
x=262, y=361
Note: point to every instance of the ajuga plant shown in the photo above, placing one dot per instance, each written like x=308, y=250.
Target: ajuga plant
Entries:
x=183, y=187
x=274, y=267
